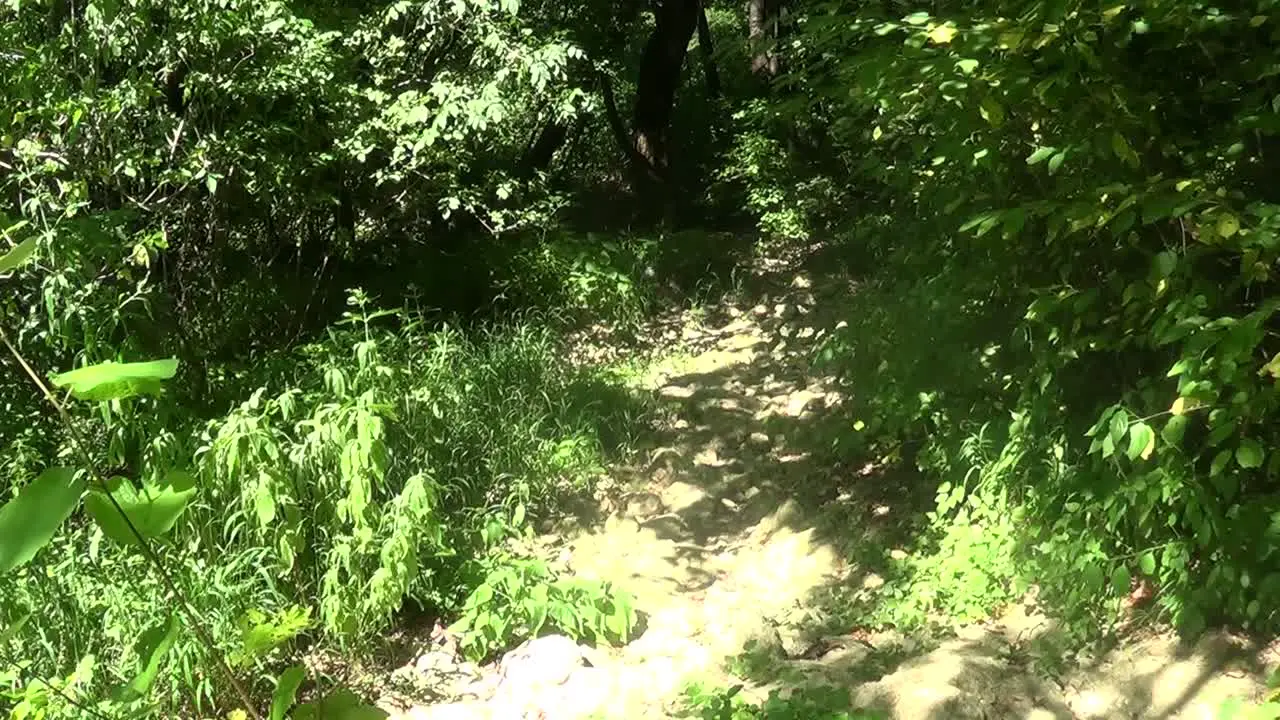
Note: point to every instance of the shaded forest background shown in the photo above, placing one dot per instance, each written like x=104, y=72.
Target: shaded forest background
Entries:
x=364, y=230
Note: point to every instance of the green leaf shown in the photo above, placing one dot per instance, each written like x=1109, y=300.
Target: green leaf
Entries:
x=1219, y=462
x=152, y=647
x=1040, y=155
x=18, y=255
x=112, y=380
x=1092, y=576
x=153, y=509
x=1165, y=263
x=1227, y=225
x=12, y=631
x=1147, y=563
x=1119, y=426
x=29, y=521
x=1142, y=441
x=339, y=705
x=967, y=66
x=286, y=691
x=1056, y=161
x=1175, y=429
x=1250, y=454
x=1123, y=151
x=991, y=111
x=1120, y=580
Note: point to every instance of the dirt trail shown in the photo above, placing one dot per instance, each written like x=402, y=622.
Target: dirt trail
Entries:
x=732, y=528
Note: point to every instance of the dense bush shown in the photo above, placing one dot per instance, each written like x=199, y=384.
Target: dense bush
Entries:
x=365, y=472
x=1071, y=316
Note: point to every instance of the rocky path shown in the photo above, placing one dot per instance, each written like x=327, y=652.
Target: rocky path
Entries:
x=733, y=527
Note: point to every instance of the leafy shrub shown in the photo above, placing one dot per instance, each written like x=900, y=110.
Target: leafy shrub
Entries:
x=521, y=598
x=355, y=476
x=348, y=474
x=1089, y=293
x=817, y=703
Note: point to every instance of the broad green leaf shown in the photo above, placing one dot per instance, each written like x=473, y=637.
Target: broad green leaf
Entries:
x=1040, y=155
x=992, y=111
x=112, y=380
x=153, y=509
x=1092, y=576
x=1227, y=225
x=286, y=691
x=1123, y=151
x=967, y=66
x=339, y=705
x=1147, y=563
x=1056, y=161
x=1250, y=454
x=1219, y=462
x=18, y=255
x=1174, y=430
x=1142, y=441
x=1119, y=426
x=152, y=647
x=29, y=521
x=1120, y=580
x=1165, y=263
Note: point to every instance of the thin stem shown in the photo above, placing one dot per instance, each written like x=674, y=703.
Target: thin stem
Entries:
x=143, y=545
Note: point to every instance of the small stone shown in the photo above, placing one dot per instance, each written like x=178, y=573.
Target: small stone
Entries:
x=676, y=391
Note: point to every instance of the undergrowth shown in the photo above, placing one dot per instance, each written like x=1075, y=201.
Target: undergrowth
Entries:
x=368, y=469
x=809, y=703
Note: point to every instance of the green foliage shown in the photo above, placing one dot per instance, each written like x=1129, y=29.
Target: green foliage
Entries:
x=971, y=570
x=29, y=521
x=818, y=703
x=112, y=381
x=1074, y=273
x=381, y=436
x=521, y=598
x=140, y=513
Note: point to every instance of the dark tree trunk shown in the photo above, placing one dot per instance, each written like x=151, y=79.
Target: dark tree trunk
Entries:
x=639, y=164
x=708, y=52
x=762, y=33
x=659, y=77
x=538, y=155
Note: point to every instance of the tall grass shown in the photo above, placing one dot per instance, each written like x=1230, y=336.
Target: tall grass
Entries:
x=361, y=472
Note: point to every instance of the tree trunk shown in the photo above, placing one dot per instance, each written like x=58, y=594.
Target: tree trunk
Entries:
x=538, y=155
x=659, y=77
x=708, y=52
x=762, y=33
